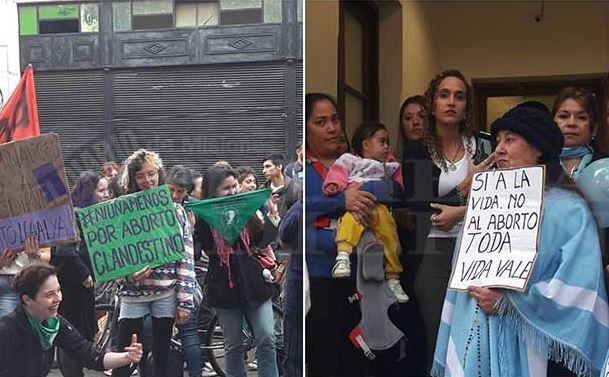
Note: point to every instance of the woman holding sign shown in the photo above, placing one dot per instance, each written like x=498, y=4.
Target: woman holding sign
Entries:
x=563, y=315
x=437, y=174
x=164, y=292
x=74, y=272
x=236, y=287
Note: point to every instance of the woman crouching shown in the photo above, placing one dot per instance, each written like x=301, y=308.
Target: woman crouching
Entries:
x=28, y=335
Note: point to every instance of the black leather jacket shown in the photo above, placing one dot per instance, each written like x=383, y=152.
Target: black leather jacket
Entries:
x=21, y=354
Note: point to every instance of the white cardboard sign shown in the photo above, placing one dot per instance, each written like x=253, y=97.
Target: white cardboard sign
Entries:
x=499, y=241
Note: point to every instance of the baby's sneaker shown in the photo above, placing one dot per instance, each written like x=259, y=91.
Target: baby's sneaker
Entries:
x=396, y=288
x=267, y=275
x=342, y=268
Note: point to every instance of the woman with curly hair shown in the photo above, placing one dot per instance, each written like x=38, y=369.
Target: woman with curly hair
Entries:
x=559, y=325
x=439, y=168
x=164, y=292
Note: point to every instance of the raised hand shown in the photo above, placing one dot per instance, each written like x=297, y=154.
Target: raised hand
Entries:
x=134, y=350
x=473, y=169
x=141, y=274
x=88, y=282
x=7, y=257
x=31, y=248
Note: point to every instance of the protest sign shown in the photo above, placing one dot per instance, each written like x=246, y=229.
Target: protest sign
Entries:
x=498, y=245
x=34, y=195
x=131, y=232
x=229, y=214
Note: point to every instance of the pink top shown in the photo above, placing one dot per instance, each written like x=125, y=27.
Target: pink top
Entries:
x=349, y=170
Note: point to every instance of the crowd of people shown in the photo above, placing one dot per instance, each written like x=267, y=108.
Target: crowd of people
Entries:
x=413, y=208
x=559, y=326
x=47, y=295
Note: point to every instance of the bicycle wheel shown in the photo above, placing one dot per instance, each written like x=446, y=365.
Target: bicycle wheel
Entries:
x=213, y=343
x=278, y=332
x=213, y=346
x=104, y=315
x=107, y=325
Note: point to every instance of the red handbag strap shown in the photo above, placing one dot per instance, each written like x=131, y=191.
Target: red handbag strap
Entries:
x=317, y=165
x=320, y=222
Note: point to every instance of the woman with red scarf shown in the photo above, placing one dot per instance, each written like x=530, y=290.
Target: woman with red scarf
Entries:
x=331, y=318
x=235, y=284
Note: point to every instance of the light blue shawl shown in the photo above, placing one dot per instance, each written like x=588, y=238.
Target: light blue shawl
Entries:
x=605, y=371
x=563, y=315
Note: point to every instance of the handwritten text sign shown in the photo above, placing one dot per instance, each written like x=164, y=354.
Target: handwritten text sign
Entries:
x=34, y=195
x=498, y=245
x=131, y=232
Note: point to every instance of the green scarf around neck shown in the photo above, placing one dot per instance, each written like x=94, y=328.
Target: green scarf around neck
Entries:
x=44, y=332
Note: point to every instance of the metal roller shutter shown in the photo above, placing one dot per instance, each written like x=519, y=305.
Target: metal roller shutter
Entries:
x=71, y=105
x=198, y=115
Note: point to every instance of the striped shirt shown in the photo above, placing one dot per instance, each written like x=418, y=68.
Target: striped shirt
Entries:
x=176, y=276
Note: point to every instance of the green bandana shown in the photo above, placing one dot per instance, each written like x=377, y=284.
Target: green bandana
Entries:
x=45, y=332
x=229, y=214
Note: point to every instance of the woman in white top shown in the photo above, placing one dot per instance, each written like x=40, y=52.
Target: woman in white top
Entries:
x=11, y=263
x=437, y=175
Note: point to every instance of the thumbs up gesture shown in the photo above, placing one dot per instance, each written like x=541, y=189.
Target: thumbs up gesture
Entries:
x=134, y=351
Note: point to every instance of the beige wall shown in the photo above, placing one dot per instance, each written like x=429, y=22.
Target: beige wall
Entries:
x=502, y=39
x=321, y=46
x=419, y=55
x=390, y=66
x=321, y=54
x=482, y=39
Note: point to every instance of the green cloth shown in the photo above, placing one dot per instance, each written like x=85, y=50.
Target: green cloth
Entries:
x=131, y=232
x=229, y=214
x=44, y=332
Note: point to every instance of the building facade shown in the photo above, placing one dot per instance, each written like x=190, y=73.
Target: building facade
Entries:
x=9, y=49
x=196, y=81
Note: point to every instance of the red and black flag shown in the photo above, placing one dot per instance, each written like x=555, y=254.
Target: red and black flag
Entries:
x=19, y=117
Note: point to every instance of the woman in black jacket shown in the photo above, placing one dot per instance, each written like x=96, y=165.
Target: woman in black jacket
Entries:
x=74, y=272
x=235, y=285
x=28, y=335
x=437, y=174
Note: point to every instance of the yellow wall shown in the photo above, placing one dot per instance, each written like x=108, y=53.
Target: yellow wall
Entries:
x=502, y=39
x=321, y=54
x=482, y=39
x=321, y=46
x=418, y=55
x=390, y=67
